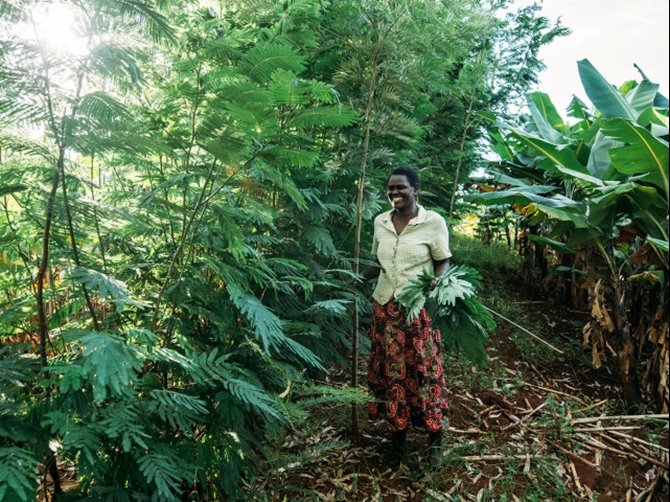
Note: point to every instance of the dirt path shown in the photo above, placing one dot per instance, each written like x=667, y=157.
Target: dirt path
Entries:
x=525, y=428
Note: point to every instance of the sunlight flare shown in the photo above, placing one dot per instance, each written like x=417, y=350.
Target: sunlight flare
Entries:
x=54, y=26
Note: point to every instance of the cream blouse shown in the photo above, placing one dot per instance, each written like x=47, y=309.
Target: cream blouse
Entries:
x=403, y=257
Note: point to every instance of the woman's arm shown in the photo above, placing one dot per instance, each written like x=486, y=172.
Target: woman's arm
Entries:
x=370, y=272
x=440, y=266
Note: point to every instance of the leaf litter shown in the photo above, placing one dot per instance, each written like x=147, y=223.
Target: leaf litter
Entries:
x=518, y=430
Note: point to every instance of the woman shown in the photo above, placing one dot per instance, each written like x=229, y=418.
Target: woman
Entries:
x=405, y=369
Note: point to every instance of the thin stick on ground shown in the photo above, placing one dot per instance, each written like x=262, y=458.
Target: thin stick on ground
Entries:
x=555, y=349
x=574, y=456
x=634, y=451
x=606, y=429
x=587, y=420
x=640, y=441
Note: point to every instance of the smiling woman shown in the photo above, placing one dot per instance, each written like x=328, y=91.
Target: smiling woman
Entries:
x=405, y=367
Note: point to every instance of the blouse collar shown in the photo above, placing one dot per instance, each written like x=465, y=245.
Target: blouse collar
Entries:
x=419, y=218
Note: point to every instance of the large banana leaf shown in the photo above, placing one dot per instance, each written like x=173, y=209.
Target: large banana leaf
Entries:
x=558, y=246
x=542, y=109
x=500, y=177
x=655, y=118
x=557, y=207
x=500, y=145
x=642, y=96
x=642, y=153
x=650, y=210
x=579, y=110
x=578, y=175
x=644, y=205
x=563, y=158
x=609, y=101
x=660, y=244
x=573, y=216
x=599, y=163
x=518, y=194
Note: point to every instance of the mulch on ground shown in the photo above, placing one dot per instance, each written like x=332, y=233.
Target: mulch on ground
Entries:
x=526, y=428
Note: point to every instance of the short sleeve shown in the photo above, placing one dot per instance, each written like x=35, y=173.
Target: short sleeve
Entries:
x=439, y=247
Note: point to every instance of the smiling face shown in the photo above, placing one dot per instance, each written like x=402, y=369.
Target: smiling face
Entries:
x=401, y=193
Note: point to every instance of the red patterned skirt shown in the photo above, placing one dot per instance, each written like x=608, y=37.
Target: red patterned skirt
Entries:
x=405, y=370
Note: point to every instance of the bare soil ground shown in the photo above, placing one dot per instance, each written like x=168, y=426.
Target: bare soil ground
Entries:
x=533, y=425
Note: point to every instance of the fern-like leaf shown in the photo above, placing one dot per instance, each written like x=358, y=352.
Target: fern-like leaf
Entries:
x=124, y=421
x=101, y=107
x=262, y=61
x=294, y=157
x=106, y=286
x=450, y=300
x=177, y=409
x=25, y=146
x=324, y=116
x=251, y=396
x=18, y=470
x=10, y=189
x=165, y=472
x=287, y=89
x=107, y=361
x=336, y=307
x=85, y=439
x=266, y=324
x=320, y=238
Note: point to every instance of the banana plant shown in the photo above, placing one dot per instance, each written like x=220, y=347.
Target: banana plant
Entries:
x=591, y=184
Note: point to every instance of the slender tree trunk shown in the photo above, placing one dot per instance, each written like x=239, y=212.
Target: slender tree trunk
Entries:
x=461, y=153
x=359, y=224
x=630, y=384
x=41, y=277
x=73, y=238
x=51, y=464
x=372, y=87
x=508, y=236
x=186, y=231
x=96, y=220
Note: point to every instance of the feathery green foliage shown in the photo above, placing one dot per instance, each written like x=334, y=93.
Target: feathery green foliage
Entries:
x=450, y=301
x=175, y=245
x=17, y=474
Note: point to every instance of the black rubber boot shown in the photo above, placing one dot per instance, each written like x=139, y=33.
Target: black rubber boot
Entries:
x=435, y=448
x=396, y=450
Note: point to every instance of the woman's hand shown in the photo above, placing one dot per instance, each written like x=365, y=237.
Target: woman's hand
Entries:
x=354, y=280
x=440, y=267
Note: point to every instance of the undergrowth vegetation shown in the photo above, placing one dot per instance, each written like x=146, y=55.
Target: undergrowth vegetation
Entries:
x=186, y=196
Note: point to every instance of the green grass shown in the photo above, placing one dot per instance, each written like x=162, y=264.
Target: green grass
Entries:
x=487, y=258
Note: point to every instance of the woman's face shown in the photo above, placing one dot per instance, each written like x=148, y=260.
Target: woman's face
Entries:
x=400, y=192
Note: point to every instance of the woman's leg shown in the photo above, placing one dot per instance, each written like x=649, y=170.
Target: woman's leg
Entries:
x=396, y=451
x=435, y=448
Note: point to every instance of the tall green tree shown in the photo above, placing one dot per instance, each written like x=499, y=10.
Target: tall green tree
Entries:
x=179, y=233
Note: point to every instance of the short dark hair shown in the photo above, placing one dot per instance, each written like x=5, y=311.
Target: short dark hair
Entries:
x=411, y=175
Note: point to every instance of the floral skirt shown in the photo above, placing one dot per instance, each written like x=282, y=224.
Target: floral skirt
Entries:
x=405, y=370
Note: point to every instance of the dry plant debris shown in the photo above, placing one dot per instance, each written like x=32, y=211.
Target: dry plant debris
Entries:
x=534, y=433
